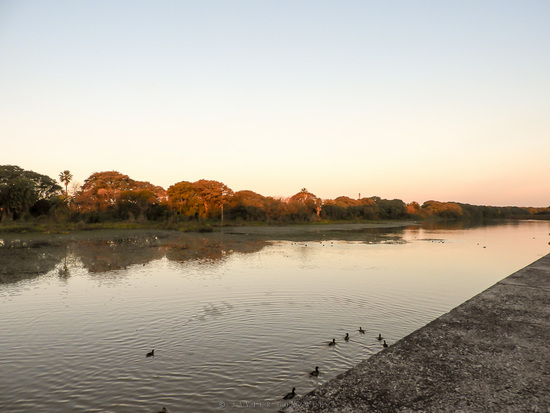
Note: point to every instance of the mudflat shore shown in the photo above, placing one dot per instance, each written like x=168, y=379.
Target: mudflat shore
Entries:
x=490, y=354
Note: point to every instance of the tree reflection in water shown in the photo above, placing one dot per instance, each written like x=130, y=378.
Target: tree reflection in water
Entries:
x=24, y=259
x=28, y=257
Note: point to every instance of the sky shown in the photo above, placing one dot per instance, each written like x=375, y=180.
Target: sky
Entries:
x=416, y=100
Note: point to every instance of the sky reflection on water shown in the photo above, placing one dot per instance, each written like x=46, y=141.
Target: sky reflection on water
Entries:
x=229, y=321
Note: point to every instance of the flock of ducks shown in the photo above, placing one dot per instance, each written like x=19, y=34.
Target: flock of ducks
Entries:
x=315, y=373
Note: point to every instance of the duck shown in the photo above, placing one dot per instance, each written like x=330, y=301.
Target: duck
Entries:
x=361, y=330
x=333, y=342
x=385, y=344
x=291, y=394
x=380, y=338
x=346, y=337
x=150, y=354
x=163, y=410
x=315, y=372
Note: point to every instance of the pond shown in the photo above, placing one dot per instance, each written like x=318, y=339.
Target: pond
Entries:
x=236, y=319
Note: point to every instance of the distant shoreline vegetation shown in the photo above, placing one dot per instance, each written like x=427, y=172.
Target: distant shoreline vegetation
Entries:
x=114, y=200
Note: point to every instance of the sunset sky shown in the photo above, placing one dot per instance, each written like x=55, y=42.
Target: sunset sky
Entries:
x=417, y=100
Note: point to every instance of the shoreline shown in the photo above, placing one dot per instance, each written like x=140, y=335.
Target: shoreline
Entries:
x=490, y=353
x=252, y=230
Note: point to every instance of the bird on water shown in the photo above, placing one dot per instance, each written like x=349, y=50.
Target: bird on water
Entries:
x=380, y=338
x=315, y=372
x=333, y=342
x=150, y=354
x=346, y=337
x=385, y=344
x=291, y=394
x=163, y=410
x=361, y=330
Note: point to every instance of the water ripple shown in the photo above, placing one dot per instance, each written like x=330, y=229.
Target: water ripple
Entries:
x=246, y=328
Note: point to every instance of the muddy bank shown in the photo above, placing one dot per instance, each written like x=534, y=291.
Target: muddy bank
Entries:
x=489, y=354
x=264, y=232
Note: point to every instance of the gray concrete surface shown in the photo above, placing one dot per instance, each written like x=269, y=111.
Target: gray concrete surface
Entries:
x=490, y=354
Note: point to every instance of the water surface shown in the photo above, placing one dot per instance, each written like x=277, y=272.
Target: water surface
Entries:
x=236, y=321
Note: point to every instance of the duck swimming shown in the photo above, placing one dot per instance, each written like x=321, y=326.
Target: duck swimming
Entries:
x=150, y=354
x=346, y=337
x=380, y=338
x=361, y=330
x=333, y=342
x=291, y=394
x=385, y=344
x=315, y=372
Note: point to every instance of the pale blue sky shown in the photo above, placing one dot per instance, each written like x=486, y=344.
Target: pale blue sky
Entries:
x=415, y=100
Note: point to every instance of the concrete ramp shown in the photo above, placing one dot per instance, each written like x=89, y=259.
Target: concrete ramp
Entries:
x=490, y=354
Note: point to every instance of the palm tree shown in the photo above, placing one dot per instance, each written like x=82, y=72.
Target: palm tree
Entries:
x=65, y=177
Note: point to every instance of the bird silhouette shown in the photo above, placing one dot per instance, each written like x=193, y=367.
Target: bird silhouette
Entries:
x=291, y=394
x=315, y=372
x=333, y=342
x=361, y=330
x=385, y=344
x=150, y=354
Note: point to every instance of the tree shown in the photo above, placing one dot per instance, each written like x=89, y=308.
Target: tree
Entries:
x=248, y=205
x=183, y=198
x=21, y=189
x=16, y=197
x=391, y=208
x=102, y=190
x=276, y=209
x=65, y=177
x=44, y=186
x=366, y=208
x=308, y=199
x=248, y=198
x=345, y=201
x=135, y=202
x=413, y=208
x=213, y=194
x=342, y=207
x=442, y=209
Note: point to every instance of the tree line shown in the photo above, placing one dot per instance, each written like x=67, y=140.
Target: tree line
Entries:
x=112, y=196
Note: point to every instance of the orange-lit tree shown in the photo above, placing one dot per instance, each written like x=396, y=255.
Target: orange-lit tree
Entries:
x=248, y=205
x=413, y=208
x=276, y=209
x=341, y=208
x=213, y=195
x=107, y=191
x=308, y=199
x=183, y=198
x=442, y=209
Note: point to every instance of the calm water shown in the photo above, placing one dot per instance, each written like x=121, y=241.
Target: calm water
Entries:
x=234, y=325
